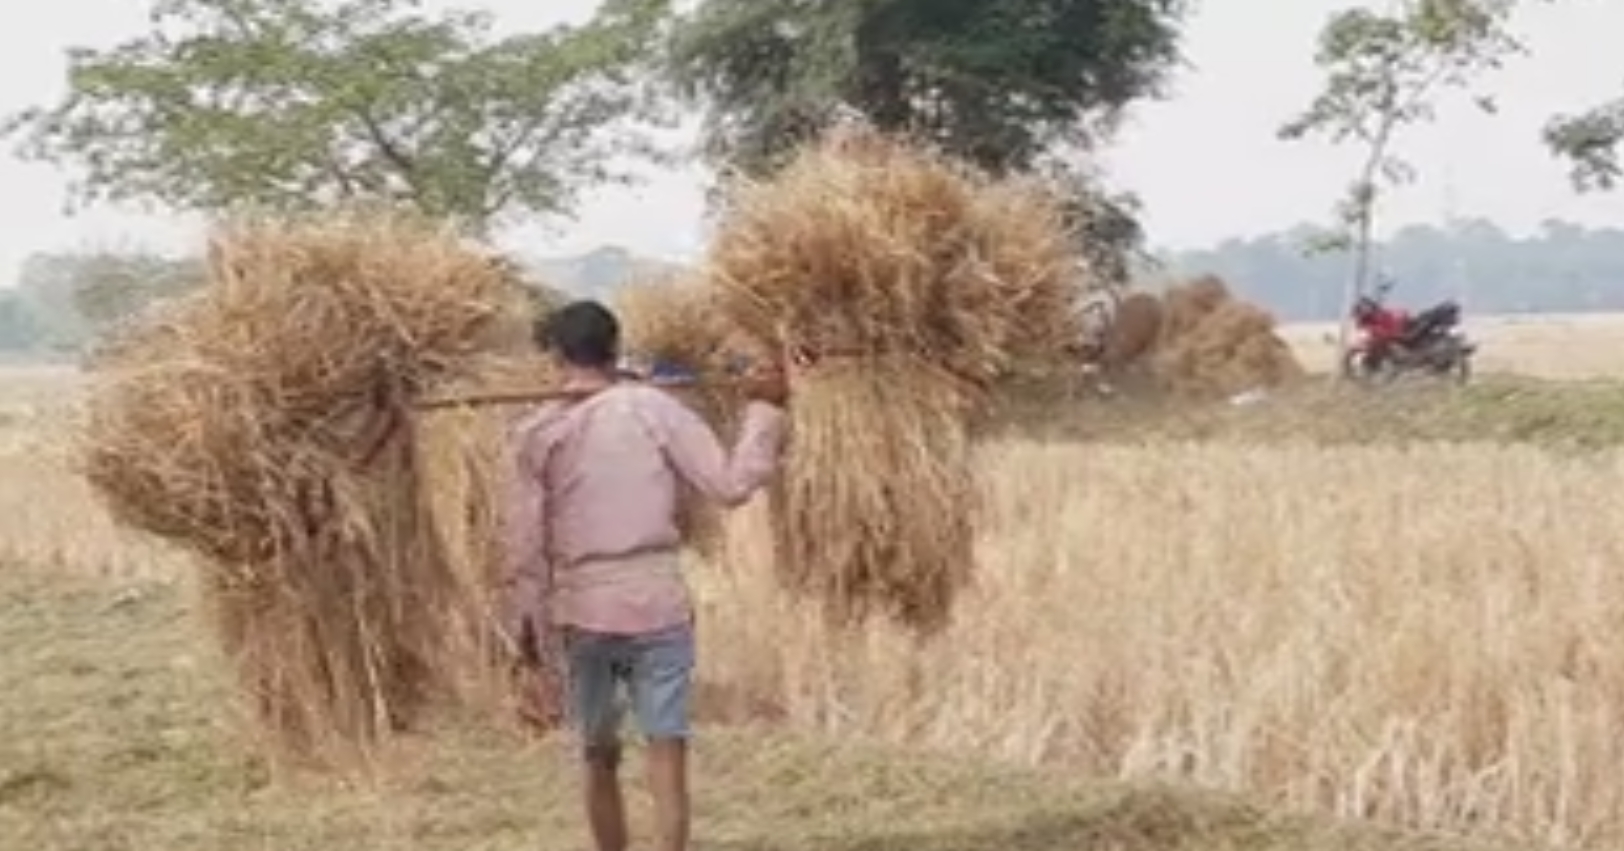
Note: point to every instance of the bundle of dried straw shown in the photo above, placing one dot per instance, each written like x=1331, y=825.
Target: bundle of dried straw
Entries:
x=916, y=283
x=259, y=423
x=1214, y=345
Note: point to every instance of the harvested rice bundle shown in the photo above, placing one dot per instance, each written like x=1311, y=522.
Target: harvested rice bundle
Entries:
x=1133, y=332
x=891, y=250
x=462, y=462
x=1188, y=304
x=1027, y=241
x=329, y=659
x=672, y=321
x=915, y=284
x=894, y=533
x=1215, y=345
x=261, y=425
x=192, y=480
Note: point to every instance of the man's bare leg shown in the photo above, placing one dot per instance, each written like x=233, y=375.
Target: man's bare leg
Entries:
x=605, y=805
x=668, y=781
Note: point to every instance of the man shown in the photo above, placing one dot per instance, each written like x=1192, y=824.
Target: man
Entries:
x=593, y=552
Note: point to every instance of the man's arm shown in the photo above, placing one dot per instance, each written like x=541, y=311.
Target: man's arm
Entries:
x=698, y=456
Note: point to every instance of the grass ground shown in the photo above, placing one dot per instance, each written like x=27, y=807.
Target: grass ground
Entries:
x=110, y=740
x=1558, y=415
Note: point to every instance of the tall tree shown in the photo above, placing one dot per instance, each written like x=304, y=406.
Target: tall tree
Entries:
x=1010, y=85
x=286, y=104
x=1383, y=74
x=1591, y=142
x=1001, y=83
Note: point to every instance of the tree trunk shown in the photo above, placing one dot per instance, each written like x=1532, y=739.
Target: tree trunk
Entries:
x=1364, y=220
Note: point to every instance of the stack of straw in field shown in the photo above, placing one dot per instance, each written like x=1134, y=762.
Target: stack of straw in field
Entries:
x=259, y=423
x=915, y=283
x=1213, y=344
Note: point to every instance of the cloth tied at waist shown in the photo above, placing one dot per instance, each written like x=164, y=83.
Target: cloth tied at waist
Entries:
x=625, y=590
x=662, y=563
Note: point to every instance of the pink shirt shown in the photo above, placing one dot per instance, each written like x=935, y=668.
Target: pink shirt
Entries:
x=591, y=527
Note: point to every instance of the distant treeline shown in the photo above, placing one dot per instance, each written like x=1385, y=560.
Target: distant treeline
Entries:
x=62, y=301
x=1564, y=268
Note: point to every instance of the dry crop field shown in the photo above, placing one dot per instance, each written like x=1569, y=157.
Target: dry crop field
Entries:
x=1430, y=636
x=1557, y=346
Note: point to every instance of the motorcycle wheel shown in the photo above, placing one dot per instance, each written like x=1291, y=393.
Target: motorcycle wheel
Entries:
x=1453, y=364
x=1461, y=369
x=1356, y=368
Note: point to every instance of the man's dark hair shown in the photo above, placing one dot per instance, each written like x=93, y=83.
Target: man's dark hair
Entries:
x=582, y=333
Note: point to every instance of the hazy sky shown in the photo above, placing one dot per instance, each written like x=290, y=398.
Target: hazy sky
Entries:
x=1205, y=161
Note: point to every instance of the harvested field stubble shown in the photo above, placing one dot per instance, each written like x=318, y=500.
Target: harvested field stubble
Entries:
x=1429, y=635
x=1424, y=636
x=261, y=425
x=917, y=284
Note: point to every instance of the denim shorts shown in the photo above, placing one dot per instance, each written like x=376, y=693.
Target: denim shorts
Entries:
x=656, y=669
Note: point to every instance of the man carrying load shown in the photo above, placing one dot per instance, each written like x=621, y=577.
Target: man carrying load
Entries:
x=595, y=579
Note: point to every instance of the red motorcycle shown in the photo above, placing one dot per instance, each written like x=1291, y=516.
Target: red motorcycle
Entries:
x=1392, y=343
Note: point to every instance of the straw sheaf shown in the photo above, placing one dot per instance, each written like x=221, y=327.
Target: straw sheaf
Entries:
x=875, y=513
x=915, y=284
x=291, y=360
x=673, y=320
x=1134, y=331
x=882, y=248
x=1215, y=345
x=261, y=422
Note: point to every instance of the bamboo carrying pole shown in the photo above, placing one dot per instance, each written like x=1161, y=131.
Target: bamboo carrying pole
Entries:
x=548, y=394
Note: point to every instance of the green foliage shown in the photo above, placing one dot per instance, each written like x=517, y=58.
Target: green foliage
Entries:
x=1384, y=71
x=1009, y=85
x=1591, y=142
x=1001, y=83
x=1110, y=237
x=289, y=104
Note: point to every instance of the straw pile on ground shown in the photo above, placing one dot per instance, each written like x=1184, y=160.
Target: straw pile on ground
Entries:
x=260, y=424
x=1134, y=331
x=915, y=284
x=1214, y=345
